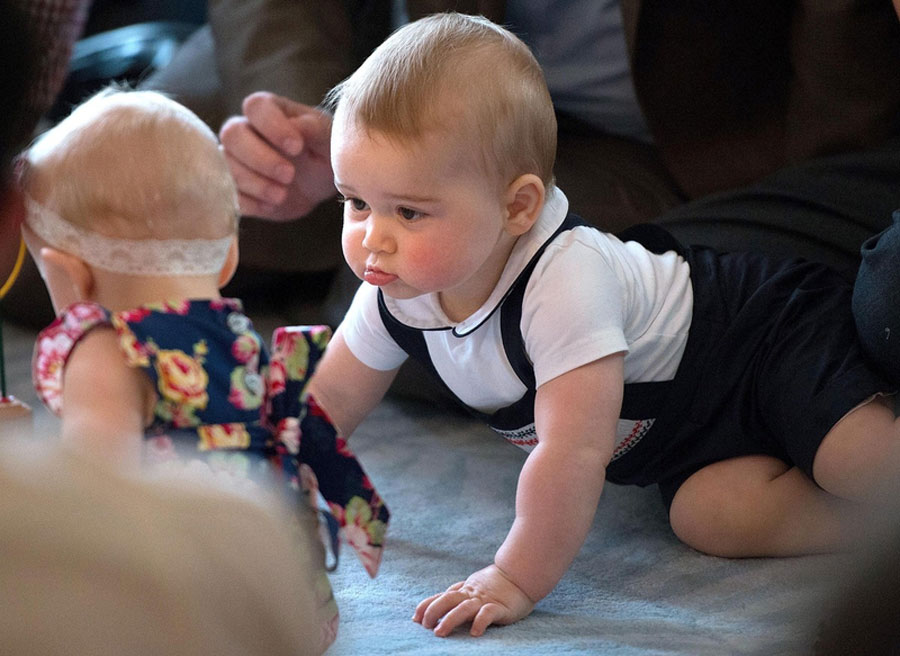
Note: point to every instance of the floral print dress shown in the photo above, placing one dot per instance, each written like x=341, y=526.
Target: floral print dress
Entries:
x=221, y=399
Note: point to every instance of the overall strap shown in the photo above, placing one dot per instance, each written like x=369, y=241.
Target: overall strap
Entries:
x=412, y=340
x=516, y=421
x=511, y=310
x=409, y=339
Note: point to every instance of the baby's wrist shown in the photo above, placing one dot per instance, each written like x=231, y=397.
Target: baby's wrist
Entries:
x=516, y=583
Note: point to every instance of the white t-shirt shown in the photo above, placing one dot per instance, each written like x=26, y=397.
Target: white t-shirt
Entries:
x=589, y=296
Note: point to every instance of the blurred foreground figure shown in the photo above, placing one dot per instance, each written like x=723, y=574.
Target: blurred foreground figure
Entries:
x=99, y=562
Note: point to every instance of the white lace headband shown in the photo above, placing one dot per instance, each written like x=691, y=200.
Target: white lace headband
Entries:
x=137, y=257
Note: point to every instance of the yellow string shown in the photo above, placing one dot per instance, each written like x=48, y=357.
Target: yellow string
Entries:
x=17, y=267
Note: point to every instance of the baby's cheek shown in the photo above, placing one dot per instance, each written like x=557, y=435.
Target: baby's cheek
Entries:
x=434, y=267
x=351, y=245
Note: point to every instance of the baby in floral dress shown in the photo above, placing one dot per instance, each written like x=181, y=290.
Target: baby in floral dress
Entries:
x=132, y=221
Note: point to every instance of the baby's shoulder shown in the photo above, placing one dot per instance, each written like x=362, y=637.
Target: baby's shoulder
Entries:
x=584, y=254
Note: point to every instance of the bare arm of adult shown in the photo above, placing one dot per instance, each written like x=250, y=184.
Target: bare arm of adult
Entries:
x=345, y=387
x=556, y=499
x=279, y=153
x=105, y=413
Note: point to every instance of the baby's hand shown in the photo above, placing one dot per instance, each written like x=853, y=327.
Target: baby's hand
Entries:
x=486, y=597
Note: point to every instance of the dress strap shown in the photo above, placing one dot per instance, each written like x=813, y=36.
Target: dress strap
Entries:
x=55, y=344
x=309, y=449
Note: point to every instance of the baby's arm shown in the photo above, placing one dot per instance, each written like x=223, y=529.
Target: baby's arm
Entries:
x=346, y=388
x=106, y=403
x=557, y=495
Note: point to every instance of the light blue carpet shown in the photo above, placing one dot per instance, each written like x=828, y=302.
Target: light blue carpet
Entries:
x=633, y=590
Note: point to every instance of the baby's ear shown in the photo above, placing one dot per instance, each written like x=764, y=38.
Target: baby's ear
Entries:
x=230, y=265
x=524, y=202
x=68, y=278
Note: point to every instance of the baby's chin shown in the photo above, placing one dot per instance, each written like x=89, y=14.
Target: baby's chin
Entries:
x=400, y=291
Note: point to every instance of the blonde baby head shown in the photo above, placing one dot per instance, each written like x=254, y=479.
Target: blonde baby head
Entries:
x=466, y=79
x=134, y=164
x=131, y=184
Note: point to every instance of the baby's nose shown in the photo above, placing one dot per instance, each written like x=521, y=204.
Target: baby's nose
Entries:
x=378, y=235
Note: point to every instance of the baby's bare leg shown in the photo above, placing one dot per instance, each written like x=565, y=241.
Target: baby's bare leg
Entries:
x=759, y=506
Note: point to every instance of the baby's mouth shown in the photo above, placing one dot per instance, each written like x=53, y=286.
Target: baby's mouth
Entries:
x=377, y=277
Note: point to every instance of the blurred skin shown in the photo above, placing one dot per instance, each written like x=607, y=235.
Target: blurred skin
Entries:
x=12, y=212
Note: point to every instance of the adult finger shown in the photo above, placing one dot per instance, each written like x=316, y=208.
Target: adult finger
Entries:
x=242, y=143
x=252, y=184
x=270, y=115
x=252, y=207
x=315, y=127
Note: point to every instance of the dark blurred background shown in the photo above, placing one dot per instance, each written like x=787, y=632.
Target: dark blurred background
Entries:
x=126, y=41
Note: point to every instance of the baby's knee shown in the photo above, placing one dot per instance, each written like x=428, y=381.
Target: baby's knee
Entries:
x=705, y=528
x=720, y=515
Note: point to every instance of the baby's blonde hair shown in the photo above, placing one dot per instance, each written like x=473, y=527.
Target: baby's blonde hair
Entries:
x=462, y=75
x=136, y=165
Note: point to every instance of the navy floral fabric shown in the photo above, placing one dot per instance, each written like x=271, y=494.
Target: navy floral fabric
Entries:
x=223, y=399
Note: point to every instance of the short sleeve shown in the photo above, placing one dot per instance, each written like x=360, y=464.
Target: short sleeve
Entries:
x=365, y=334
x=55, y=344
x=574, y=308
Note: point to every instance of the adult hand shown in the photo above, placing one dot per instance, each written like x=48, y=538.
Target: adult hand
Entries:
x=487, y=597
x=279, y=153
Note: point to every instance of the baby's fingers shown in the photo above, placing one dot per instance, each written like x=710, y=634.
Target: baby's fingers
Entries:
x=487, y=615
x=423, y=606
x=460, y=614
x=441, y=606
x=425, y=603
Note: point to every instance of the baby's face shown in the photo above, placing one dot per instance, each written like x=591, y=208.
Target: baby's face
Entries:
x=419, y=217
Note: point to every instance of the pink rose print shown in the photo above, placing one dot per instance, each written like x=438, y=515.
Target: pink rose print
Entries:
x=245, y=348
